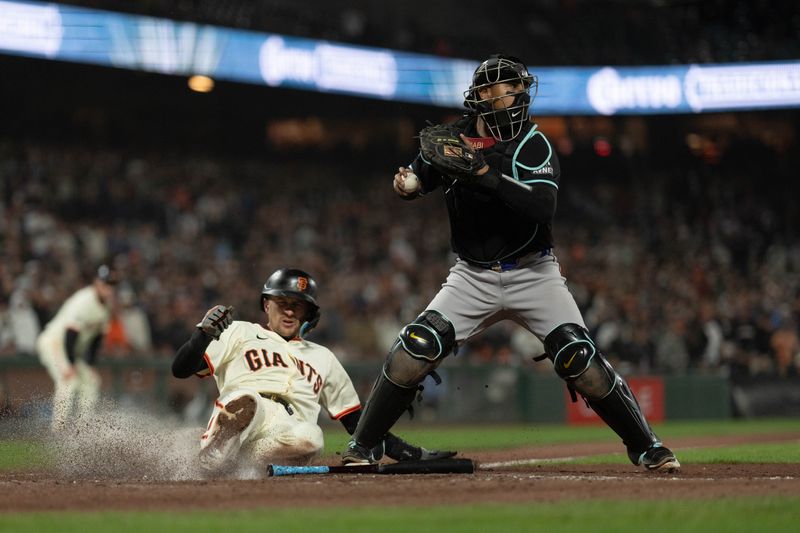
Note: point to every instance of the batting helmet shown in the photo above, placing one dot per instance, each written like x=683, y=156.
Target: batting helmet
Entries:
x=294, y=283
x=504, y=123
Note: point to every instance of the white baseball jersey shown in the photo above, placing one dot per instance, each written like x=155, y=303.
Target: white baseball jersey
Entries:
x=83, y=312
x=302, y=373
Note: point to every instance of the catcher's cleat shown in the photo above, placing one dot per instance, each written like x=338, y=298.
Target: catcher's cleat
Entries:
x=232, y=419
x=356, y=455
x=657, y=457
x=400, y=450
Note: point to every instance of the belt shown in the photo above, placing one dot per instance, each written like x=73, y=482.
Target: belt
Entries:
x=277, y=399
x=510, y=264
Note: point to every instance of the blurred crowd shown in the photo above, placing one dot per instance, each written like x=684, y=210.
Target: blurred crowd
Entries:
x=545, y=32
x=680, y=263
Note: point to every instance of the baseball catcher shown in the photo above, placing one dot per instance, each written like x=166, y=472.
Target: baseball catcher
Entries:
x=500, y=177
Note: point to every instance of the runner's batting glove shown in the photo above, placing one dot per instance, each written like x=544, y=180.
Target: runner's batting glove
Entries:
x=216, y=320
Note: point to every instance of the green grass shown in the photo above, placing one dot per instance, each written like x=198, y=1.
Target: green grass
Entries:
x=22, y=455
x=752, y=514
x=727, y=514
x=788, y=452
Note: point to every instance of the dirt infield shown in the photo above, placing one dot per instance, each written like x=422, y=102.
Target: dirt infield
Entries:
x=505, y=483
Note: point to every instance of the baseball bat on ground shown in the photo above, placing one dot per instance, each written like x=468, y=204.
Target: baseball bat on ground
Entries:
x=438, y=466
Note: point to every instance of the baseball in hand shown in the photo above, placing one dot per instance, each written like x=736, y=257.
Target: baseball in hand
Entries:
x=411, y=182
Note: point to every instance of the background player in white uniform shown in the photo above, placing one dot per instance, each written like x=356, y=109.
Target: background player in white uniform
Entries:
x=68, y=347
x=272, y=382
x=501, y=216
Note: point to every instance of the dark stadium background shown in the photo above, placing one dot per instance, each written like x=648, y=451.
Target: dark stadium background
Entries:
x=667, y=225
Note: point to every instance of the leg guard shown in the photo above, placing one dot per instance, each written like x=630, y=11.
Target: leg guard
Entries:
x=419, y=349
x=622, y=413
x=387, y=402
x=583, y=367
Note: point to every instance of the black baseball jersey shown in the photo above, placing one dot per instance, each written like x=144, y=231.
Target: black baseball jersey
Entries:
x=509, y=213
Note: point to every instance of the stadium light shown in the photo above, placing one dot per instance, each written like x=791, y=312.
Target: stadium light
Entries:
x=201, y=84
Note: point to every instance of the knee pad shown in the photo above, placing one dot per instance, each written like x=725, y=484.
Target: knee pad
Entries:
x=577, y=361
x=419, y=348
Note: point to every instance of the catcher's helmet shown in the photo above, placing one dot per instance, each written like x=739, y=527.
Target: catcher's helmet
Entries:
x=504, y=123
x=294, y=283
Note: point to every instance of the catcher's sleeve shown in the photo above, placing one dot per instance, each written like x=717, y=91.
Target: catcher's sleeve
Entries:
x=533, y=193
x=535, y=201
x=189, y=358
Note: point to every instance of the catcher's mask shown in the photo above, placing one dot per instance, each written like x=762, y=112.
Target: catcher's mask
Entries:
x=294, y=283
x=506, y=122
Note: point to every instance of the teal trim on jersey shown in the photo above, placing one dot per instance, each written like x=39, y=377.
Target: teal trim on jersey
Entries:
x=514, y=163
x=546, y=159
x=519, y=147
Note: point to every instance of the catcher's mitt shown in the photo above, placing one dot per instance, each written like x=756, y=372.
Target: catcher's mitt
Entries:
x=442, y=147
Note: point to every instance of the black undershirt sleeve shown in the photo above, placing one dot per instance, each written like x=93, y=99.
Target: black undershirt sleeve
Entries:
x=94, y=349
x=70, y=338
x=189, y=357
x=350, y=421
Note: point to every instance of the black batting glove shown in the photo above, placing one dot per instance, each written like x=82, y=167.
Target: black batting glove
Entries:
x=216, y=320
